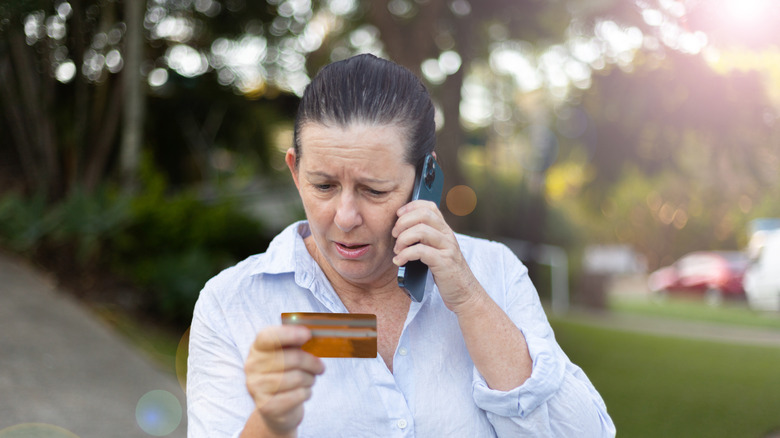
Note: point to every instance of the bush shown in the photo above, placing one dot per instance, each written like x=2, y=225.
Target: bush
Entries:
x=85, y=221
x=166, y=245
x=175, y=243
x=24, y=222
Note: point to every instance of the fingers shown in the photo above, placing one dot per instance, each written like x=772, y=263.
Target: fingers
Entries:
x=418, y=212
x=280, y=376
x=283, y=405
x=421, y=222
x=276, y=337
x=276, y=393
x=277, y=349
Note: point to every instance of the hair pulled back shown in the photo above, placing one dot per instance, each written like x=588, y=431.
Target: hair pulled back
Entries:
x=367, y=89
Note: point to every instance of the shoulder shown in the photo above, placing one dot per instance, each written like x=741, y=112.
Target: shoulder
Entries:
x=486, y=252
x=248, y=279
x=497, y=269
x=233, y=277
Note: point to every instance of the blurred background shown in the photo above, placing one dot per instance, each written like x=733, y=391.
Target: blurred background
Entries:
x=627, y=150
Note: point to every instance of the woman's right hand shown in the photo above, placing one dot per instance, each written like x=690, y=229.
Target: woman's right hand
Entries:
x=279, y=376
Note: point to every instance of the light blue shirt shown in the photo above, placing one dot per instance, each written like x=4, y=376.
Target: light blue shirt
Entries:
x=434, y=390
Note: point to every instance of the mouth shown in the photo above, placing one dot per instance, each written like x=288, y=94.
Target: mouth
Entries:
x=351, y=250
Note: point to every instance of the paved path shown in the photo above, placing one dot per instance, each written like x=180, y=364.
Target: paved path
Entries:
x=65, y=372
x=679, y=328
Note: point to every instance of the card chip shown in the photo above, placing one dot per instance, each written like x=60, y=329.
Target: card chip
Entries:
x=337, y=334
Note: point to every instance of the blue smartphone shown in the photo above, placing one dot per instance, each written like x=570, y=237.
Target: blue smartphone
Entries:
x=428, y=185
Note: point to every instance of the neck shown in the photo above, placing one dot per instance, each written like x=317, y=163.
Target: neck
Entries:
x=359, y=296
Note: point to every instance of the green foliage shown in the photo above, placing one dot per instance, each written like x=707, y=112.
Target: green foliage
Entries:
x=23, y=221
x=672, y=166
x=173, y=280
x=667, y=215
x=85, y=220
x=175, y=243
x=168, y=245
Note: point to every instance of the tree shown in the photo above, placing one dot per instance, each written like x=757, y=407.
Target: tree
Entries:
x=133, y=93
x=678, y=155
x=63, y=66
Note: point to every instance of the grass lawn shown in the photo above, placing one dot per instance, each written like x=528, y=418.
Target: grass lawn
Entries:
x=666, y=387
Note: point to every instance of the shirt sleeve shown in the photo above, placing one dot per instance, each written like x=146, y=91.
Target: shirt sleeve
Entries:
x=218, y=402
x=558, y=399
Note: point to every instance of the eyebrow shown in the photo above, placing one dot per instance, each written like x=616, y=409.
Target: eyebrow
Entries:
x=328, y=176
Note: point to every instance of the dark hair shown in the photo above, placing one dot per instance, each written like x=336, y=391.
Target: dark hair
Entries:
x=368, y=89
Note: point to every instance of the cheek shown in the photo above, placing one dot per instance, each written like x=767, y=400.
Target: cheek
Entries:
x=314, y=206
x=384, y=219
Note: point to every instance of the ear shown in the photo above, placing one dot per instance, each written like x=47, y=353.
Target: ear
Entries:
x=434, y=155
x=289, y=158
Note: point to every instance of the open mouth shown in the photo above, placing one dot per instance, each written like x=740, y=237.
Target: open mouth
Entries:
x=352, y=251
x=351, y=246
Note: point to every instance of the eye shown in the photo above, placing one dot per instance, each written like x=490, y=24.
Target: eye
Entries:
x=376, y=193
x=322, y=187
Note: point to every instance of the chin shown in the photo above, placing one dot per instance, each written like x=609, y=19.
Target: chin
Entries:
x=358, y=272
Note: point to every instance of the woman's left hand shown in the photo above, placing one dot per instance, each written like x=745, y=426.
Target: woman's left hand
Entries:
x=422, y=234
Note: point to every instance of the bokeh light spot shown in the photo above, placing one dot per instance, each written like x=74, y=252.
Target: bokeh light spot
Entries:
x=65, y=71
x=461, y=200
x=158, y=77
x=158, y=412
x=182, y=354
x=36, y=430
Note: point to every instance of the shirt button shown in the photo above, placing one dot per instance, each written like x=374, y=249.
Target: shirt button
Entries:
x=402, y=351
x=401, y=423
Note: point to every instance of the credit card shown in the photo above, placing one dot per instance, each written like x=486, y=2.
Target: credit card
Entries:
x=337, y=334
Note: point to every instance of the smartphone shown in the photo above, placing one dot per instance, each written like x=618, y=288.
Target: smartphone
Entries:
x=428, y=185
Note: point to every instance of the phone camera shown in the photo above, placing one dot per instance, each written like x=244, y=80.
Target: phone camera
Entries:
x=430, y=174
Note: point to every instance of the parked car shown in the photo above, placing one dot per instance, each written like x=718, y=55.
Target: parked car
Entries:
x=714, y=274
x=762, y=278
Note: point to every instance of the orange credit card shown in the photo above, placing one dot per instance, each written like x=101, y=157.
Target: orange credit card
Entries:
x=337, y=334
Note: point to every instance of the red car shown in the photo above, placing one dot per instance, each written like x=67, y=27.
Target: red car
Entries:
x=717, y=274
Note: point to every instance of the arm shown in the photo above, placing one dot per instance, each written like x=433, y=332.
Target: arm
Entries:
x=256, y=428
x=523, y=380
x=495, y=344
x=558, y=399
x=217, y=398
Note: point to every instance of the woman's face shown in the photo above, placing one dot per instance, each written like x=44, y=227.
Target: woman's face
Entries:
x=352, y=180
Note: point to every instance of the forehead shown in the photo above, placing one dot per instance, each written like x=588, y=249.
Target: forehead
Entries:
x=354, y=140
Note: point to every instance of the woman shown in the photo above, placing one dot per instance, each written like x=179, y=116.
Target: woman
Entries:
x=475, y=358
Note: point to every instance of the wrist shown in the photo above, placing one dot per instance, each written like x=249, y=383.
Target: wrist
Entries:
x=256, y=427
x=473, y=304
x=268, y=432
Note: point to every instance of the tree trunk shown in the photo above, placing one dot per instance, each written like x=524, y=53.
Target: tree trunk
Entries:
x=38, y=120
x=98, y=160
x=133, y=93
x=21, y=138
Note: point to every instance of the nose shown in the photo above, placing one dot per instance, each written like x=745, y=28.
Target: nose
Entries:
x=347, y=213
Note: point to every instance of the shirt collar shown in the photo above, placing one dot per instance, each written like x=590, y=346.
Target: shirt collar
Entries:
x=285, y=251
x=287, y=254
